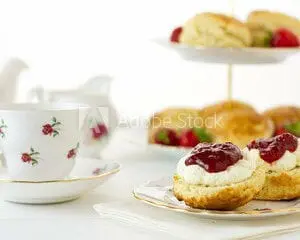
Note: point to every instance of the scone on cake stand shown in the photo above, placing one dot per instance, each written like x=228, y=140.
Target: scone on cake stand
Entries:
x=175, y=131
x=265, y=38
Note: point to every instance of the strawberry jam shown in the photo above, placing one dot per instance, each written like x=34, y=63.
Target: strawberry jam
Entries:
x=272, y=149
x=214, y=157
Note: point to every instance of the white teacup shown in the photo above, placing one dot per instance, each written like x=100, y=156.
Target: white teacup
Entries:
x=39, y=141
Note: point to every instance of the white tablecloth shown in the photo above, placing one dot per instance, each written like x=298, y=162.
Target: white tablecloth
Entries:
x=78, y=219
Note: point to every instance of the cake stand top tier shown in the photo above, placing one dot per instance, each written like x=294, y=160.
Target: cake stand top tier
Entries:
x=246, y=55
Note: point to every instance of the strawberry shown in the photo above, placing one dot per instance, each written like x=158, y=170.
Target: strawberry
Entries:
x=167, y=137
x=175, y=35
x=191, y=137
x=285, y=38
x=280, y=130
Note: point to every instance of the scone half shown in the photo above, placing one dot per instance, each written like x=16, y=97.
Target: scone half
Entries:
x=215, y=30
x=283, y=185
x=226, y=197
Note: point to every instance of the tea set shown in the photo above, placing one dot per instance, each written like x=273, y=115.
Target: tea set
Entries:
x=52, y=148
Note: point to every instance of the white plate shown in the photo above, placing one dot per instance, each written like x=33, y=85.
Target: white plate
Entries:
x=172, y=151
x=250, y=55
x=159, y=194
x=86, y=175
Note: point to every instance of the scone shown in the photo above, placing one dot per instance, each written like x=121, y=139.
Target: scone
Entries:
x=215, y=30
x=271, y=21
x=236, y=122
x=177, y=126
x=224, y=106
x=281, y=157
x=285, y=119
x=217, y=176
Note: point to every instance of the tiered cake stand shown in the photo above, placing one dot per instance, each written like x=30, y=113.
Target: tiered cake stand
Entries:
x=159, y=193
x=228, y=56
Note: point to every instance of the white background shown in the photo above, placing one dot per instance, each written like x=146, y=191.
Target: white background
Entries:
x=66, y=42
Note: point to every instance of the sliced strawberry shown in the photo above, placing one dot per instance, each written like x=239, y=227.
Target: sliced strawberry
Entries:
x=176, y=34
x=285, y=38
x=167, y=137
x=191, y=137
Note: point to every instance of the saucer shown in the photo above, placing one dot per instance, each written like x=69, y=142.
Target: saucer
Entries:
x=159, y=194
x=87, y=174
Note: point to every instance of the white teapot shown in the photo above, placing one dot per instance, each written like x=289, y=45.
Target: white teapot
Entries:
x=99, y=122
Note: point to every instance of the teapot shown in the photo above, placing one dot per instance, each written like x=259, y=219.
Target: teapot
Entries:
x=101, y=119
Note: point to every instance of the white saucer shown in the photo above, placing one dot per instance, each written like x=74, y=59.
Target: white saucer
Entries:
x=247, y=55
x=87, y=174
x=159, y=194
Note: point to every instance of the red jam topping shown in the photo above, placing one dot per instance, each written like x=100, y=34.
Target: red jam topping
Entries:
x=214, y=157
x=272, y=149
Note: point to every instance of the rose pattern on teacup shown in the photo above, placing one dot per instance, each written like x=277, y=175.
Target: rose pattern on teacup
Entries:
x=52, y=128
x=3, y=126
x=73, y=152
x=31, y=158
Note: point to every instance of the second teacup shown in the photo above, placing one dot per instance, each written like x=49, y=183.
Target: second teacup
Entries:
x=39, y=141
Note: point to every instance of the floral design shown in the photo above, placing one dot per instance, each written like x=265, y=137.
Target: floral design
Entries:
x=99, y=131
x=97, y=171
x=51, y=129
x=73, y=152
x=31, y=158
x=2, y=127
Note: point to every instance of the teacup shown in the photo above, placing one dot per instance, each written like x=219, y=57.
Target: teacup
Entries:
x=39, y=141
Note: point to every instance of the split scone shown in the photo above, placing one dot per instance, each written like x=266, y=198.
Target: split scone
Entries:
x=217, y=176
x=236, y=122
x=285, y=119
x=272, y=21
x=215, y=30
x=226, y=121
x=281, y=157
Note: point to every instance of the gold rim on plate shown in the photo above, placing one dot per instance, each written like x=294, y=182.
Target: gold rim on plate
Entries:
x=74, y=179
x=161, y=204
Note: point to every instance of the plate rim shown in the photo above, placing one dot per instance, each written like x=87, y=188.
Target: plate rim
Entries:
x=194, y=211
